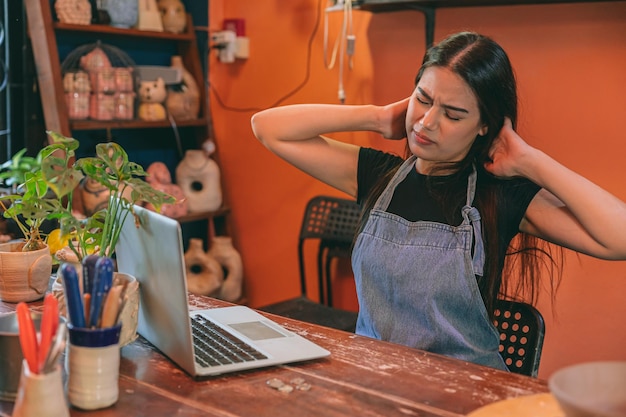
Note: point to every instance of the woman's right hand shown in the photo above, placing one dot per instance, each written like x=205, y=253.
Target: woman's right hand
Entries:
x=393, y=120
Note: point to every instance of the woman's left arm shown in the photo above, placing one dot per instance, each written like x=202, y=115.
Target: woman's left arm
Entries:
x=569, y=210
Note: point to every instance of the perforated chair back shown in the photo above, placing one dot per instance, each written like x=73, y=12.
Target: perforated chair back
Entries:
x=333, y=221
x=522, y=330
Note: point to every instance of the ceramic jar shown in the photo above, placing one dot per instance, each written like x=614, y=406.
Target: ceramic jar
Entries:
x=199, y=177
x=123, y=13
x=204, y=273
x=183, y=102
x=223, y=251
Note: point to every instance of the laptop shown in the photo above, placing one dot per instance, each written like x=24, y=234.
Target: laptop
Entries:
x=153, y=253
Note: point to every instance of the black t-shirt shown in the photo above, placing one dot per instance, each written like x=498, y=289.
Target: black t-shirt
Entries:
x=420, y=198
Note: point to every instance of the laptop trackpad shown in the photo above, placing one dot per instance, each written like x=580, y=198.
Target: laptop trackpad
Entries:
x=256, y=330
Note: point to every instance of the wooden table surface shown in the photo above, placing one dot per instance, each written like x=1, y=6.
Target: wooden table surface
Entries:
x=361, y=377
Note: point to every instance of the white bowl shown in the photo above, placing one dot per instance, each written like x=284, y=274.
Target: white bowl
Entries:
x=594, y=389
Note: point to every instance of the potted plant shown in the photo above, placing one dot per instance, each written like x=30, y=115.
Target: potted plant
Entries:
x=47, y=193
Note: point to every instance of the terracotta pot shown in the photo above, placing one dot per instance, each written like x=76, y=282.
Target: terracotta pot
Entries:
x=24, y=276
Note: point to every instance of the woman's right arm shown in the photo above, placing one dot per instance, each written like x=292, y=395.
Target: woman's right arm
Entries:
x=295, y=133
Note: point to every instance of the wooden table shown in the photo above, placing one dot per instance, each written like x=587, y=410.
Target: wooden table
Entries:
x=361, y=377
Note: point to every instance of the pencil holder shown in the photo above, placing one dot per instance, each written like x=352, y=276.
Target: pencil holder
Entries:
x=92, y=364
x=40, y=395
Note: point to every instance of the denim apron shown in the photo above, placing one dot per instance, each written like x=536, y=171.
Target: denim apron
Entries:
x=416, y=281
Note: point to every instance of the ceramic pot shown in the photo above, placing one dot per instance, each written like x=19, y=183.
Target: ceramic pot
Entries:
x=204, y=273
x=41, y=395
x=183, y=102
x=173, y=15
x=199, y=177
x=24, y=276
x=123, y=13
x=129, y=315
x=223, y=251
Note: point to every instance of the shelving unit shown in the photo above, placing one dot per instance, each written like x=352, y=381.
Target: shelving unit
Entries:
x=428, y=7
x=45, y=32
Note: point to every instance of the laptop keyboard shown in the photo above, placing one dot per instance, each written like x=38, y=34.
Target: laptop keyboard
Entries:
x=214, y=346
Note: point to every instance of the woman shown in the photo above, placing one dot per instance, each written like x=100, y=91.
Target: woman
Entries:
x=437, y=226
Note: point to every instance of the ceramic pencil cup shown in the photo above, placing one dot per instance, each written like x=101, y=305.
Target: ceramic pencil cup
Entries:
x=40, y=395
x=93, y=364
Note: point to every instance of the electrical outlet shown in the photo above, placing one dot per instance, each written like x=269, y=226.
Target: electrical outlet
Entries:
x=225, y=42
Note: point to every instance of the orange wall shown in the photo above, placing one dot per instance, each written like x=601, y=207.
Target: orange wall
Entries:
x=569, y=60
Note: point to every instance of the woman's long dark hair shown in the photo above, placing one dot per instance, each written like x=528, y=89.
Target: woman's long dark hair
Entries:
x=486, y=69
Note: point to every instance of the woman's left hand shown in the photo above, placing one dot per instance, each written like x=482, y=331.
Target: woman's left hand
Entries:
x=507, y=153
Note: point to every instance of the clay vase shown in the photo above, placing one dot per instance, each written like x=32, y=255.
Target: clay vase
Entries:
x=173, y=15
x=204, y=273
x=24, y=276
x=95, y=196
x=123, y=13
x=223, y=251
x=183, y=102
x=160, y=179
x=199, y=177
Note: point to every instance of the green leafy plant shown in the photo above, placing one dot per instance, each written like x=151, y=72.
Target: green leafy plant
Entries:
x=14, y=171
x=48, y=194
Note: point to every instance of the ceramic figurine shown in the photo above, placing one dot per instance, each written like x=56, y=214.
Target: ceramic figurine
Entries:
x=173, y=15
x=152, y=94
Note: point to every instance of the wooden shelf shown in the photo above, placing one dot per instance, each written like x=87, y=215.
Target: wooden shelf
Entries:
x=133, y=124
x=394, y=5
x=192, y=217
x=107, y=30
x=428, y=7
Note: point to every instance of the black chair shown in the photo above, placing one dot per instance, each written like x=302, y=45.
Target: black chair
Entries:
x=332, y=221
x=522, y=329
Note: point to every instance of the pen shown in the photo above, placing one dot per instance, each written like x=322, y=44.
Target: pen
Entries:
x=103, y=278
x=73, y=298
x=111, y=306
x=89, y=272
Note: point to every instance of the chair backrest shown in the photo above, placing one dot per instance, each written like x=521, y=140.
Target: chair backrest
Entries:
x=331, y=220
x=522, y=329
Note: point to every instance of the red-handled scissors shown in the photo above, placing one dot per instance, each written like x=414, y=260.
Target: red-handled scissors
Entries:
x=28, y=336
x=49, y=327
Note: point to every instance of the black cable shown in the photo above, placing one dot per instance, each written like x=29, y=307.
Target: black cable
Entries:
x=292, y=92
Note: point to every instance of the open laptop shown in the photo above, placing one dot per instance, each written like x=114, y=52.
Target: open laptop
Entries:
x=153, y=253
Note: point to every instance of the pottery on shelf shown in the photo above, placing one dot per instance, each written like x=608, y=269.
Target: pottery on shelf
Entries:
x=204, y=273
x=224, y=252
x=198, y=175
x=160, y=179
x=123, y=13
x=149, y=16
x=173, y=15
x=183, y=101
